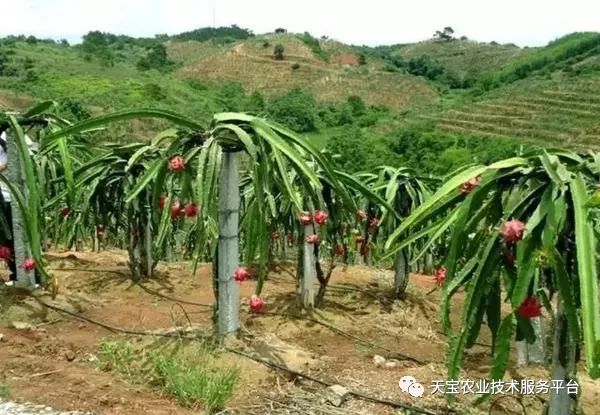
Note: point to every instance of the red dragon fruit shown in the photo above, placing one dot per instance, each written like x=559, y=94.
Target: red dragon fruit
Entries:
x=440, y=276
x=190, y=210
x=512, y=231
x=530, y=308
x=241, y=274
x=28, y=264
x=321, y=217
x=312, y=239
x=256, y=303
x=339, y=249
x=5, y=253
x=177, y=164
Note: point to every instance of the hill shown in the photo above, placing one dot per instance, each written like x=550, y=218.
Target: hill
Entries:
x=453, y=87
x=252, y=63
x=562, y=111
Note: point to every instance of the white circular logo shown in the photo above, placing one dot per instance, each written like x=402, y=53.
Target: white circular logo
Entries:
x=405, y=382
x=416, y=390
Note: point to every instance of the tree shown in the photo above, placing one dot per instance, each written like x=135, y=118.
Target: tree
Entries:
x=362, y=58
x=297, y=109
x=445, y=34
x=350, y=148
x=278, y=51
x=156, y=58
x=280, y=30
x=357, y=104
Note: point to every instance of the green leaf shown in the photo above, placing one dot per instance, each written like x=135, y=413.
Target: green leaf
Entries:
x=566, y=294
x=493, y=311
x=39, y=108
x=145, y=180
x=525, y=270
x=502, y=350
x=588, y=278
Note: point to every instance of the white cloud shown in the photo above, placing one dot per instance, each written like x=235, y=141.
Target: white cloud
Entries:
x=525, y=22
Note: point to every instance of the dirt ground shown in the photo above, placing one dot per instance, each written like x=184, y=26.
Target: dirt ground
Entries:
x=50, y=358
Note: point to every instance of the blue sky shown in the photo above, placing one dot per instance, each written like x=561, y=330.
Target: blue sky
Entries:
x=524, y=22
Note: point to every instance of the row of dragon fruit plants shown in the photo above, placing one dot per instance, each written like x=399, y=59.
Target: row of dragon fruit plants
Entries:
x=521, y=230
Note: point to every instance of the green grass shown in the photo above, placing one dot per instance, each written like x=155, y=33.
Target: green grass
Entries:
x=4, y=390
x=190, y=383
x=188, y=372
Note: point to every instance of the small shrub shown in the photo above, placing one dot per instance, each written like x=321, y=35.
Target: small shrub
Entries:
x=191, y=384
x=278, y=52
x=296, y=66
x=4, y=390
x=119, y=357
x=266, y=44
x=362, y=59
x=197, y=84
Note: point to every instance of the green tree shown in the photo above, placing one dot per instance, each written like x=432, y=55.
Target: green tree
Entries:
x=357, y=104
x=279, y=51
x=156, y=58
x=297, y=109
x=350, y=149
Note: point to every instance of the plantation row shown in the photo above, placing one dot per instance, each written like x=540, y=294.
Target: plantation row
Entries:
x=563, y=118
x=523, y=229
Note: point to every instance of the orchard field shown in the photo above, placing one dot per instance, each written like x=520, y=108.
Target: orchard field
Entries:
x=227, y=223
x=234, y=269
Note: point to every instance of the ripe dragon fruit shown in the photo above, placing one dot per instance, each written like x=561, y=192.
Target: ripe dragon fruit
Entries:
x=256, y=303
x=440, y=276
x=65, y=211
x=190, y=210
x=241, y=274
x=339, y=249
x=177, y=164
x=530, y=308
x=275, y=236
x=5, y=253
x=468, y=186
x=321, y=217
x=175, y=210
x=312, y=239
x=512, y=231
x=28, y=264
x=161, y=202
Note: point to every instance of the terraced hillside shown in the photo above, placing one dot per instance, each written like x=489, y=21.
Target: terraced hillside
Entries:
x=464, y=58
x=561, y=112
x=251, y=63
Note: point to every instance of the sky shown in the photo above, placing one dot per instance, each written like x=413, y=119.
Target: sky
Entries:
x=372, y=22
